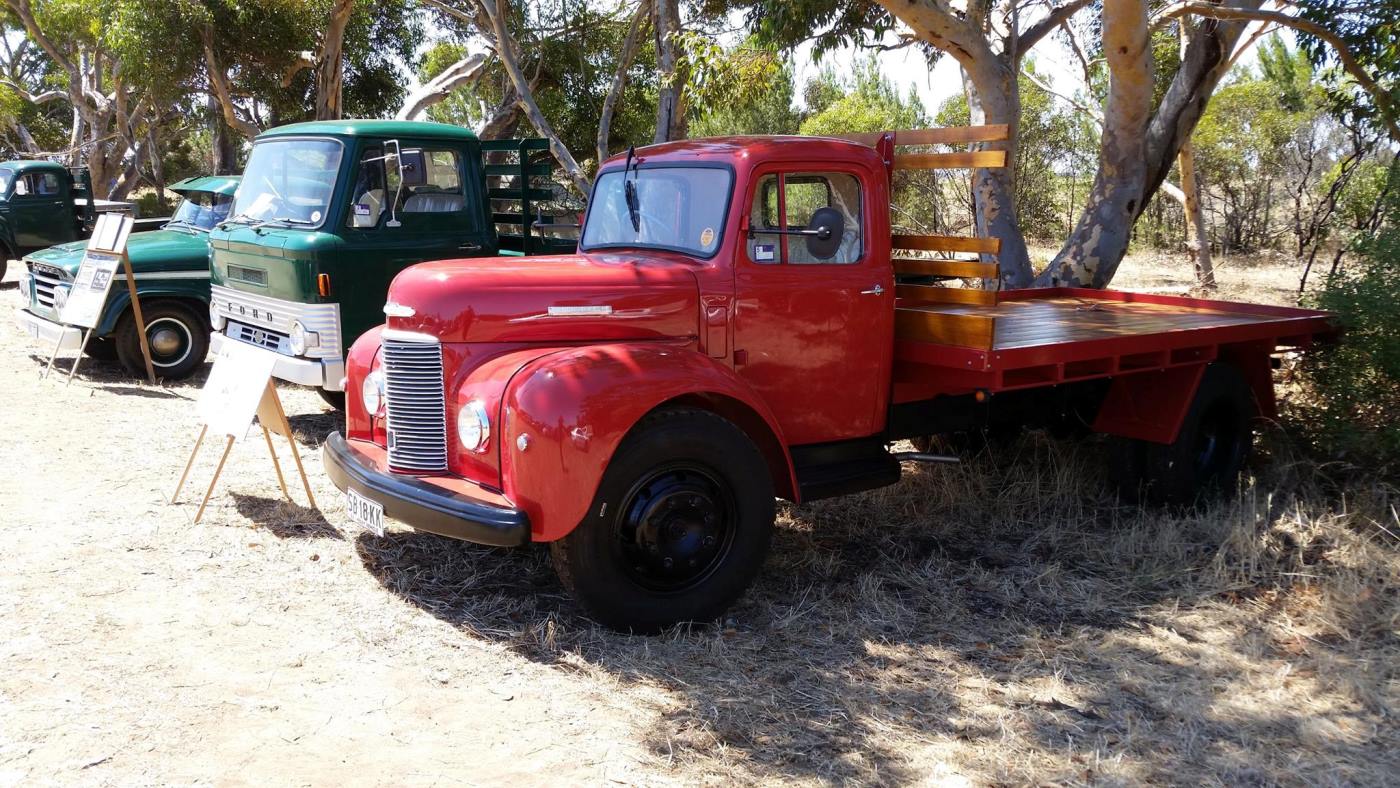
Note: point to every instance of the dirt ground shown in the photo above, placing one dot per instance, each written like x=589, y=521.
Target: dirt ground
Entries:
x=1002, y=621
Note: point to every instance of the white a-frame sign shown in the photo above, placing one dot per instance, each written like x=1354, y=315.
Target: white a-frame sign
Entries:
x=240, y=388
x=106, y=250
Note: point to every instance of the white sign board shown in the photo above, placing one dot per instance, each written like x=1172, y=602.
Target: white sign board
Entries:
x=235, y=387
x=110, y=233
x=89, y=291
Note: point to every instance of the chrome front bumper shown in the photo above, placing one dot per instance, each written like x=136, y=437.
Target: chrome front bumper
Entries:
x=48, y=332
x=324, y=373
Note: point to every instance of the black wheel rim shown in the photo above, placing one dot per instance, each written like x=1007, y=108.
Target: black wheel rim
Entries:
x=1217, y=437
x=675, y=528
x=170, y=341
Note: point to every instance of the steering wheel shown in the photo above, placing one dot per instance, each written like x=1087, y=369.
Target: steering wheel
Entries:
x=652, y=221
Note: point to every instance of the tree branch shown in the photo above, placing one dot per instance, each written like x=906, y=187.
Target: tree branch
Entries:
x=1057, y=16
x=619, y=83
x=1349, y=64
x=467, y=70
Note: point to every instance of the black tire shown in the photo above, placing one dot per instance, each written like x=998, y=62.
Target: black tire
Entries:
x=336, y=399
x=179, y=340
x=102, y=349
x=1205, y=462
x=679, y=528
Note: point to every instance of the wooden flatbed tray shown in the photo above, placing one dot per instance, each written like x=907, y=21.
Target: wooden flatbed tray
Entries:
x=1035, y=337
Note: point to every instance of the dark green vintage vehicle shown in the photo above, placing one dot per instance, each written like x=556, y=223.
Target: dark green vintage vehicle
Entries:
x=329, y=212
x=43, y=203
x=171, y=266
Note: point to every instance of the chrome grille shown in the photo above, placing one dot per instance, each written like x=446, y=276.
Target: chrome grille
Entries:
x=46, y=283
x=276, y=315
x=266, y=338
x=416, y=405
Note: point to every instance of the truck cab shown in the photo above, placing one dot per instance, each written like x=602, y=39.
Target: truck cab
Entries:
x=734, y=328
x=329, y=212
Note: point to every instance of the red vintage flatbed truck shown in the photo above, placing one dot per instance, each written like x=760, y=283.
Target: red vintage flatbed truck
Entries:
x=737, y=326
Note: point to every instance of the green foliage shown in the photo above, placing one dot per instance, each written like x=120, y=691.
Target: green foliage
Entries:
x=768, y=109
x=1371, y=34
x=869, y=103
x=1355, y=407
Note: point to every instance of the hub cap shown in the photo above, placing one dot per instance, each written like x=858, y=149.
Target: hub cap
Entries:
x=170, y=341
x=675, y=527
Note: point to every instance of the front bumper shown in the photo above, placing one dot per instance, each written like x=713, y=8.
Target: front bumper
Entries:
x=48, y=332
x=421, y=505
x=325, y=373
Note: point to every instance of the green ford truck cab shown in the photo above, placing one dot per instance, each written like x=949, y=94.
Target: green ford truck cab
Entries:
x=171, y=267
x=330, y=212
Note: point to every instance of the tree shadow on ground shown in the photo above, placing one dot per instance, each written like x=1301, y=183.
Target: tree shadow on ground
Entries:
x=285, y=519
x=1013, y=613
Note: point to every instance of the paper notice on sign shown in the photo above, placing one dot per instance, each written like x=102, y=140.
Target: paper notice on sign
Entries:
x=235, y=387
x=110, y=233
x=89, y=290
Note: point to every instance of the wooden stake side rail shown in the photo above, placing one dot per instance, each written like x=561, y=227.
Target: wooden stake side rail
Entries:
x=946, y=243
x=951, y=269
x=913, y=295
x=960, y=160
x=948, y=135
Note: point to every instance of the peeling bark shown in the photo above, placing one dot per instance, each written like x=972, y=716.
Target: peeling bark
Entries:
x=630, y=45
x=670, y=114
x=1091, y=255
x=330, y=63
x=465, y=71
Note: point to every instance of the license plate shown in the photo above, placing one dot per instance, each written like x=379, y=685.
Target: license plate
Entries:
x=365, y=512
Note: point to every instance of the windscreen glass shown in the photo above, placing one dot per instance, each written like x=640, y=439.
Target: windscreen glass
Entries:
x=202, y=210
x=289, y=181
x=679, y=208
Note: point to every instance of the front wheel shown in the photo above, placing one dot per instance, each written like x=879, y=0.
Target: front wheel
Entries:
x=178, y=338
x=679, y=528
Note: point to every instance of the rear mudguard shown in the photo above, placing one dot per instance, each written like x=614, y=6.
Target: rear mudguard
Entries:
x=565, y=413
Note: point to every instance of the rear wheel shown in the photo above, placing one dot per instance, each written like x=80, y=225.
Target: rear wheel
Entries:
x=179, y=341
x=1208, y=455
x=679, y=528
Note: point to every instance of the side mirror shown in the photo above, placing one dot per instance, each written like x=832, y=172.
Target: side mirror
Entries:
x=824, y=233
x=412, y=168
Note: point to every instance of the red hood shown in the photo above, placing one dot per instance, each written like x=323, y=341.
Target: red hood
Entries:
x=561, y=298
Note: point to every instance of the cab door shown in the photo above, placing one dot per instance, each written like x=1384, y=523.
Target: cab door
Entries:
x=814, y=333
x=42, y=214
x=391, y=224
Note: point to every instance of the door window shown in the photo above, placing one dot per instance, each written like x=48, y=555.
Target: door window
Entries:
x=787, y=202
x=370, y=191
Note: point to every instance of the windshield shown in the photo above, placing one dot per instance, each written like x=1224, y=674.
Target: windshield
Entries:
x=679, y=208
x=202, y=210
x=288, y=180
x=6, y=177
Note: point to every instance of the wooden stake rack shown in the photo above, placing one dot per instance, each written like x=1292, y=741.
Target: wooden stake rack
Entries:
x=926, y=309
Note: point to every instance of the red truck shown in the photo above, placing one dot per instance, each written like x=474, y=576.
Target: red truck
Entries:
x=739, y=325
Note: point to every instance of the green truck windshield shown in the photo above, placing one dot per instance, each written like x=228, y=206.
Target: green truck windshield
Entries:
x=202, y=210
x=6, y=177
x=289, y=180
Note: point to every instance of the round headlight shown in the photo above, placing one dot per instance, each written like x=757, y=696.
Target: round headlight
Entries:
x=296, y=340
x=372, y=394
x=473, y=426
x=216, y=318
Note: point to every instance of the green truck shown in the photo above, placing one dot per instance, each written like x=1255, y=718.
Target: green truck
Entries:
x=171, y=267
x=331, y=211
x=43, y=203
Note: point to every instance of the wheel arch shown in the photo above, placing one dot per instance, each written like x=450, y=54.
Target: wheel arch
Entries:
x=575, y=406
x=119, y=304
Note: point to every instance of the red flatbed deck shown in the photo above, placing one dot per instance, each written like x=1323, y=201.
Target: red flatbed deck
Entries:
x=1047, y=336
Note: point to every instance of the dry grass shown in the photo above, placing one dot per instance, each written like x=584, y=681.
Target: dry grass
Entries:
x=1001, y=621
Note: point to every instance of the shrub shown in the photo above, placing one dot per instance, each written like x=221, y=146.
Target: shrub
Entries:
x=1353, y=410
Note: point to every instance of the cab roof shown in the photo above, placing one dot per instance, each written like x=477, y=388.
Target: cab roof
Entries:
x=31, y=165
x=752, y=148
x=373, y=128
x=217, y=184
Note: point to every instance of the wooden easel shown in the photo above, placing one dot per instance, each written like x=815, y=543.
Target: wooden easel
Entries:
x=272, y=419
x=120, y=237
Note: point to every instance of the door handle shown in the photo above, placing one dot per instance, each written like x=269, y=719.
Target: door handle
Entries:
x=469, y=247
x=876, y=290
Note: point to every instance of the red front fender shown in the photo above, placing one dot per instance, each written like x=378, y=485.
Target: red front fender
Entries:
x=566, y=413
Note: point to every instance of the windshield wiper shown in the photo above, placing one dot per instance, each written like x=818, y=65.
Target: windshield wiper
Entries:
x=629, y=193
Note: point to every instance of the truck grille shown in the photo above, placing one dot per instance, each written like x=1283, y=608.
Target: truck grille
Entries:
x=416, y=405
x=46, y=283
